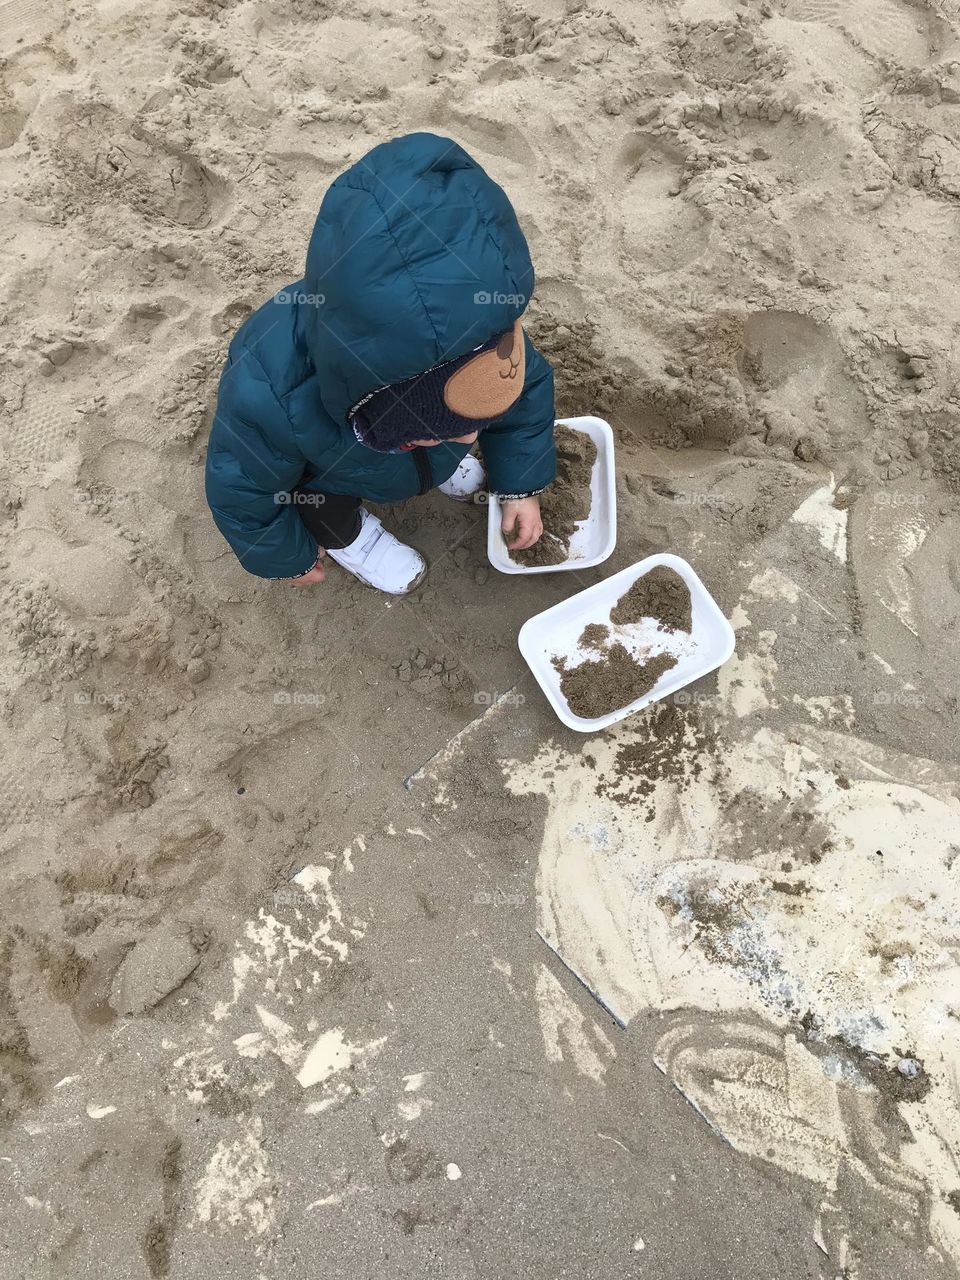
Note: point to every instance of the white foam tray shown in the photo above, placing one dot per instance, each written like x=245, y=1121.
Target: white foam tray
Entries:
x=595, y=538
x=554, y=633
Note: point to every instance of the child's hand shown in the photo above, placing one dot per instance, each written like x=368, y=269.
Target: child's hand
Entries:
x=520, y=517
x=315, y=574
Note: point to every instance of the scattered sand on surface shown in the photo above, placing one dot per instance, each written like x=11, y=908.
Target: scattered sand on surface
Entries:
x=598, y=686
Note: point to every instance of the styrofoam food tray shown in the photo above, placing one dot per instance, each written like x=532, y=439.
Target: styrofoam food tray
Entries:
x=554, y=633
x=596, y=536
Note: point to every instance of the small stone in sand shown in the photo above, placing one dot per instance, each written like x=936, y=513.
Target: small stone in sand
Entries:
x=660, y=594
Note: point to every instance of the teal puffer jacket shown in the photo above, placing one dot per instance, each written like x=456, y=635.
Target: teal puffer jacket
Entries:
x=416, y=257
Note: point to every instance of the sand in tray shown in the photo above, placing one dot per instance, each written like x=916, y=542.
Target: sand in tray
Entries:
x=565, y=502
x=661, y=595
x=598, y=686
x=601, y=685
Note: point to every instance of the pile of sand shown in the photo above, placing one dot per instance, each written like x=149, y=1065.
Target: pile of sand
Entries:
x=600, y=685
x=597, y=686
x=660, y=594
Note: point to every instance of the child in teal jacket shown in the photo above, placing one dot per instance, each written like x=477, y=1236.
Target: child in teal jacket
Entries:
x=372, y=377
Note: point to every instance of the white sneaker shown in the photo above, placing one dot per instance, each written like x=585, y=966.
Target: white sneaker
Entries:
x=467, y=480
x=380, y=560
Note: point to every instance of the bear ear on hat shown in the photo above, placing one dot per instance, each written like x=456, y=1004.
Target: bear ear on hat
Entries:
x=487, y=385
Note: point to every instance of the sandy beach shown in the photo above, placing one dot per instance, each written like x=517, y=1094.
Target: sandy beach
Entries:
x=325, y=949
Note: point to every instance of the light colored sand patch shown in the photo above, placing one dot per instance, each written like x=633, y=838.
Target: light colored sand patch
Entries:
x=675, y=866
x=843, y=914
x=828, y=521
x=567, y=1034
x=828, y=711
x=747, y=680
x=237, y=1186
x=771, y=584
x=311, y=936
x=324, y=1202
x=762, y=1092
x=34, y=1202
x=334, y=1094
x=98, y=1111
x=895, y=534
x=413, y=1110
x=332, y=1053
x=281, y=1037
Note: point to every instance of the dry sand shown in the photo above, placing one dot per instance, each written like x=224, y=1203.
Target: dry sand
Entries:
x=746, y=223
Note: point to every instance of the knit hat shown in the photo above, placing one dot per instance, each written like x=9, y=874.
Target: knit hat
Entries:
x=454, y=398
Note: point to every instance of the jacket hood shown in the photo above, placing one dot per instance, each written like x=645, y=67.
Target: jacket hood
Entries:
x=416, y=257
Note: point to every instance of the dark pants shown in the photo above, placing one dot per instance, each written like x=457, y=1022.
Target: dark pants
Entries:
x=332, y=519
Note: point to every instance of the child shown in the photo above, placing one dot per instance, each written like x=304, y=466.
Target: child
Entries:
x=373, y=376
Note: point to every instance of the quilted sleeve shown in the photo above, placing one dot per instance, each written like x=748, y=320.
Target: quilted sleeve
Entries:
x=252, y=466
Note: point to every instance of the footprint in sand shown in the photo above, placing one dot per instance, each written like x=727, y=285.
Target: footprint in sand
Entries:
x=727, y=56
x=11, y=126
x=103, y=154
x=27, y=72
x=659, y=227
x=41, y=433
x=810, y=158
x=919, y=157
x=131, y=468
x=485, y=136
x=15, y=804
x=795, y=361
